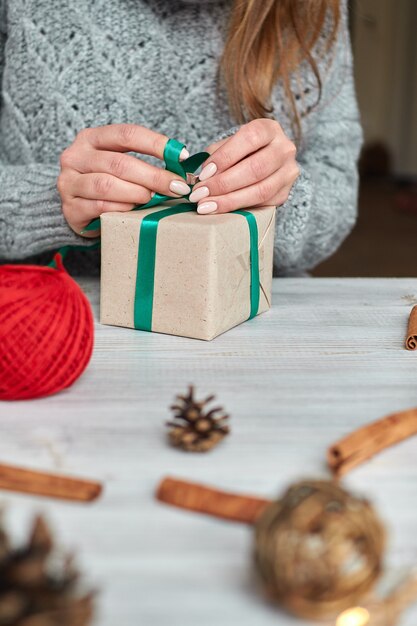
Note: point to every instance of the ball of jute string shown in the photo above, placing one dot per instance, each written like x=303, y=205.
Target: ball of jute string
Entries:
x=46, y=330
x=319, y=549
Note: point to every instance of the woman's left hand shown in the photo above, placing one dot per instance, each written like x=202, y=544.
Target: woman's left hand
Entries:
x=255, y=167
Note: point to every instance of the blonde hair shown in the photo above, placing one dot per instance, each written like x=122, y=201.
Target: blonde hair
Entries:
x=267, y=41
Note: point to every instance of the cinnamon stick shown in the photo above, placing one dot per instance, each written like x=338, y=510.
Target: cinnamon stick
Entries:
x=367, y=441
x=411, y=341
x=51, y=485
x=195, y=497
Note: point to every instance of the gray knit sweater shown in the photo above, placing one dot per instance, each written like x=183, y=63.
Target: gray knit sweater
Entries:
x=69, y=65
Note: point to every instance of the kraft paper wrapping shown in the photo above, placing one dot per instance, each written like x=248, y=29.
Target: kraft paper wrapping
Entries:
x=202, y=272
x=411, y=341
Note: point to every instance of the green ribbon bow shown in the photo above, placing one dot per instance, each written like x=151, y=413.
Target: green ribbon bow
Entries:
x=145, y=275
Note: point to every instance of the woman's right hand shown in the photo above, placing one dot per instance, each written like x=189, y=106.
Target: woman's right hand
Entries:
x=97, y=176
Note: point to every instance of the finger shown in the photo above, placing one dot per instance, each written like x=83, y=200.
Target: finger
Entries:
x=129, y=168
x=249, y=171
x=278, y=200
x=216, y=145
x=107, y=187
x=89, y=209
x=271, y=191
x=80, y=211
x=127, y=138
x=248, y=139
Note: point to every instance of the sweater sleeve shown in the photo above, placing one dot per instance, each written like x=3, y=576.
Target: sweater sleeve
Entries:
x=322, y=207
x=31, y=219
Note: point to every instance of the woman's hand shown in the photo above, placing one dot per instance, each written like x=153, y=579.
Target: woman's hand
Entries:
x=96, y=176
x=254, y=167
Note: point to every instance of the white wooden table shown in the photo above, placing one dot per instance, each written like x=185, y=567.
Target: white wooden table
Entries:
x=328, y=358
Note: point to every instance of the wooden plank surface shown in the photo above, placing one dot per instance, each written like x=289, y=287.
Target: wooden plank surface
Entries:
x=328, y=358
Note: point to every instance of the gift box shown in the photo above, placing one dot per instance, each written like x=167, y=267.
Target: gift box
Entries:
x=170, y=270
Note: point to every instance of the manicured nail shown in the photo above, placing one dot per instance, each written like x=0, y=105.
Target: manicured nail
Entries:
x=184, y=154
x=199, y=194
x=207, y=207
x=179, y=187
x=208, y=171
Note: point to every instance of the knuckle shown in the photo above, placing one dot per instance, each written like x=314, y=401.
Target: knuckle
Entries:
x=117, y=166
x=275, y=125
x=102, y=185
x=252, y=136
x=84, y=134
x=257, y=131
x=296, y=171
x=60, y=184
x=257, y=167
x=144, y=195
x=157, y=180
x=290, y=149
x=65, y=160
x=291, y=173
x=63, y=184
x=282, y=197
x=221, y=187
x=156, y=145
x=127, y=132
x=256, y=124
x=66, y=209
x=224, y=160
x=100, y=206
x=72, y=215
x=265, y=191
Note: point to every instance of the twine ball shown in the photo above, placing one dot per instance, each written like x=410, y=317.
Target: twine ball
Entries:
x=319, y=549
x=46, y=330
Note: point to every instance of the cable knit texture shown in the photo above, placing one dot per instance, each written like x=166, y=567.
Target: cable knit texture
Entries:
x=69, y=65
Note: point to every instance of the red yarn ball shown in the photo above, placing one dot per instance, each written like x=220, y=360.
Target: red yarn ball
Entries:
x=46, y=330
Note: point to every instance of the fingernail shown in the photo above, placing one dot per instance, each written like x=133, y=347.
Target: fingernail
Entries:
x=199, y=194
x=208, y=171
x=184, y=154
x=179, y=187
x=152, y=194
x=207, y=207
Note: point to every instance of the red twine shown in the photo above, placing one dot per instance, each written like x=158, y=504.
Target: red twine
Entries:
x=46, y=330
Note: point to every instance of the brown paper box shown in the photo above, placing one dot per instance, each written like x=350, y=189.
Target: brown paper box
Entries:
x=202, y=270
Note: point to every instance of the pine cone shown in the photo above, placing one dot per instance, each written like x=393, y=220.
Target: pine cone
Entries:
x=37, y=588
x=193, y=429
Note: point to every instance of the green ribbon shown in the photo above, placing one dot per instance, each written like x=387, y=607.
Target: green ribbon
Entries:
x=254, y=262
x=145, y=274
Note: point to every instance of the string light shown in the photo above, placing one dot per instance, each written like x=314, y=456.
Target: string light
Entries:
x=354, y=617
